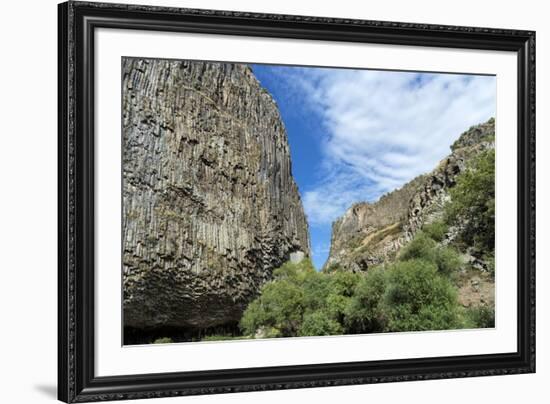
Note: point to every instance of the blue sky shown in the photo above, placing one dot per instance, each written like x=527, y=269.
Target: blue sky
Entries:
x=357, y=134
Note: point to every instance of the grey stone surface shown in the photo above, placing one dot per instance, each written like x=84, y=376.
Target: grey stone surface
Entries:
x=210, y=206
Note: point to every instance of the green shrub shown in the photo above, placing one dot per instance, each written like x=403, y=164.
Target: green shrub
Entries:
x=410, y=295
x=417, y=298
x=319, y=323
x=298, y=289
x=447, y=260
x=364, y=313
x=436, y=230
x=420, y=247
x=280, y=306
x=480, y=317
x=316, y=290
x=335, y=306
x=341, y=288
x=343, y=283
x=425, y=248
x=253, y=318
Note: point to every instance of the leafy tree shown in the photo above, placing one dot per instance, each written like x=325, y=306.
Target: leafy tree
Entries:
x=280, y=306
x=425, y=248
x=253, y=318
x=320, y=323
x=410, y=295
x=343, y=283
x=342, y=286
x=420, y=247
x=301, y=301
x=447, y=260
x=480, y=317
x=364, y=312
x=417, y=298
x=316, y=291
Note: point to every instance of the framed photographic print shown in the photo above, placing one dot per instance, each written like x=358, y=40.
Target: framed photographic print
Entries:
x=254, y=201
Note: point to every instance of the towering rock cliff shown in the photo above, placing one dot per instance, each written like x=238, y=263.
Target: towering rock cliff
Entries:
x=210, y=206
x=372, y=233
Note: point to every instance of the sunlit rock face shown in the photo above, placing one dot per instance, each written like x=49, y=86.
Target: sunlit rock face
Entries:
x=210, y=206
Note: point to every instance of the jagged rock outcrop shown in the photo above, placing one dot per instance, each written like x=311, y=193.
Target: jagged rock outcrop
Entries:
x=426, y=205
x=372, y=233
x=210, y=206
x=369, y=233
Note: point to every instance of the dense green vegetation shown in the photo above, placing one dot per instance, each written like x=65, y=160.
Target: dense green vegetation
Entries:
x=415, y=293
x=473, y=204
x=300, y=301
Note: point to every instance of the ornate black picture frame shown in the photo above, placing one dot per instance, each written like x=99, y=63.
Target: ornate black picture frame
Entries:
x=78, y=21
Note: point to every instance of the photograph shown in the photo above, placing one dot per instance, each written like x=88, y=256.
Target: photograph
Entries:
x=275, y=201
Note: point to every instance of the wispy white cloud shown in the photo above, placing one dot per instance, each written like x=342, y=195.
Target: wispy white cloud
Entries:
x=320, y=250
x=383, y=128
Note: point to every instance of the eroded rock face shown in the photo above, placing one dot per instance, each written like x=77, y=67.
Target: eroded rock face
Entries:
x=426, y=206
x=210, y=206
x=370, y=234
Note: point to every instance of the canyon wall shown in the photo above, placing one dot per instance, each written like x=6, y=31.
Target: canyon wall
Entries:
x=210, y=206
